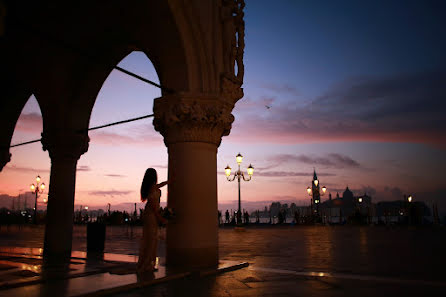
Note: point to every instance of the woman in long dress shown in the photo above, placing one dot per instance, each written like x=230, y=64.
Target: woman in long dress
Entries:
x=150, y=192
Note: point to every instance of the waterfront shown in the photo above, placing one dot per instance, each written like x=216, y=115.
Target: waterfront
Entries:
x=404, y=253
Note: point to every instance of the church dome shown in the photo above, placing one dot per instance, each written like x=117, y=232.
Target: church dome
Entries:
x=347, y=194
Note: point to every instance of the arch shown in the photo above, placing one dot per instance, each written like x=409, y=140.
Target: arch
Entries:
x=16, y=98
x=30, y=160
x=125, y=144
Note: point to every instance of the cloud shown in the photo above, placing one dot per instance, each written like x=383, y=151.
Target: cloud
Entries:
x=400, y=108
x=393, y=193
x=115, y=175
x=160, y=166
x=281, y=88
x=24, y=169
x=288, y=174
x=331, y=160
x=112, y=138
x=263, y=172
x=83, y=168
x=29, y=122
x=109, y=193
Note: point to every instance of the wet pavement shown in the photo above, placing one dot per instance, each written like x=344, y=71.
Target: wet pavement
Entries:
x=284, y=261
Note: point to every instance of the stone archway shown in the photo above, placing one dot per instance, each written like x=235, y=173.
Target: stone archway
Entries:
x=194, y=46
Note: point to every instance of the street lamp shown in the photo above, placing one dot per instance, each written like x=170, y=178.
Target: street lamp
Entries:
x=409, y=199
x=37, y=189
x=239, y=175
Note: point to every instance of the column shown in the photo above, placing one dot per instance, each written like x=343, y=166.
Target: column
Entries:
x=192, y=126
x=64, y=150
x=5, y=157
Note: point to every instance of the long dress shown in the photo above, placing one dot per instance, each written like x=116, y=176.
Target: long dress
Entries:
x=149, y=241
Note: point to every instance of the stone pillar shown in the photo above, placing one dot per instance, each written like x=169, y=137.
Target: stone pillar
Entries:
x=192, y=126
x=64, y=150
x=5, y=157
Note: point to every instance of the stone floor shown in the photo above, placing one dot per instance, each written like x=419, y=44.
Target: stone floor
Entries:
x=302, y=261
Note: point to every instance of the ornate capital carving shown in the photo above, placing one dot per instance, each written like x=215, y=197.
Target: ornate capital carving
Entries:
x=5, y=157
x=192, y=118
x=69, y=145
x=233, y=34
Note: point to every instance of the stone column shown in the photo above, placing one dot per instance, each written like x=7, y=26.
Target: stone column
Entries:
x=64, y=150
x=5, y=157
x=192, y=126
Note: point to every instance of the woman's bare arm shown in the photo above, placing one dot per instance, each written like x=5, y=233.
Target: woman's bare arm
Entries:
x=160, y=185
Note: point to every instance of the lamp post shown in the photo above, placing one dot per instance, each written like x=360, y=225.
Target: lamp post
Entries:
x=239, y=175
x=37, y=189
x=315, y=192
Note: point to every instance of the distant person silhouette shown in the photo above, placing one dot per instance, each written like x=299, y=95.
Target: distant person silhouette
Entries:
x=150, y=192
x=227, y=217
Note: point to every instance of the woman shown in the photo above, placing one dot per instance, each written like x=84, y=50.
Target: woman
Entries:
x=150, y=192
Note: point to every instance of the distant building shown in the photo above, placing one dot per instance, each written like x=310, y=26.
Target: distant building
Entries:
x=347, y=208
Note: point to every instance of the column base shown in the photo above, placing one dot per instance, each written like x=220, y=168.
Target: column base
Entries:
x=193, y=257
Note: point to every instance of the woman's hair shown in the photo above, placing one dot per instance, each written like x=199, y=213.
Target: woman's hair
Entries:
x=149, y=180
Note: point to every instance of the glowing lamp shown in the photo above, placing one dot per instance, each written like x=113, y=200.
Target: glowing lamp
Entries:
x=42, y=186
x=360, y=199
x=38, y=179
x=228, y=171
x=316, y=182
x=409, y=198
x=33, y=187
x=316, y=201
x=309, y=190
x=86, y=207
x=324, y=189
x=250, y=170
x=239, y=158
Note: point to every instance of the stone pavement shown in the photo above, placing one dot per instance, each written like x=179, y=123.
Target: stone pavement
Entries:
x=21, y=275
x=284, y=261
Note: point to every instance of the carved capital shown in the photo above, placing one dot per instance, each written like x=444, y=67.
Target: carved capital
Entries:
x=65, y=145
x=192, y=118
x=231, y=90
x=5, y=157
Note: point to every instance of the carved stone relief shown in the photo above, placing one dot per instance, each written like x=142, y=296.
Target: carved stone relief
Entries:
x=233, y=28
x=70, y=145
x=192, y=119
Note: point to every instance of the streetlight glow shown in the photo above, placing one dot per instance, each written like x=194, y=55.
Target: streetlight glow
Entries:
x=38, y=179
x=228, y=171
x=360, y=199
x=409, y=198
x=324, y=189
x=33, y=187
x=309, y=191
x=239, y=158
x=316, y=182
x=42, y=186
x=250, y=170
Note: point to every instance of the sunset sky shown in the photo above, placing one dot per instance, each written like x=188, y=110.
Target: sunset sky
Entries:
x=356, y=89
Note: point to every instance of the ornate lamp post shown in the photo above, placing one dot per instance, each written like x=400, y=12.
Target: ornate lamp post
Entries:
x=315, y=192
x=37, y=189
x=239, y=175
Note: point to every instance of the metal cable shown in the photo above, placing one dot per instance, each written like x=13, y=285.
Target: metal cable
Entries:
x=90, y=129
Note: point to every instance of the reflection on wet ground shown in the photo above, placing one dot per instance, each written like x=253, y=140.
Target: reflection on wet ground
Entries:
x=285, y=261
